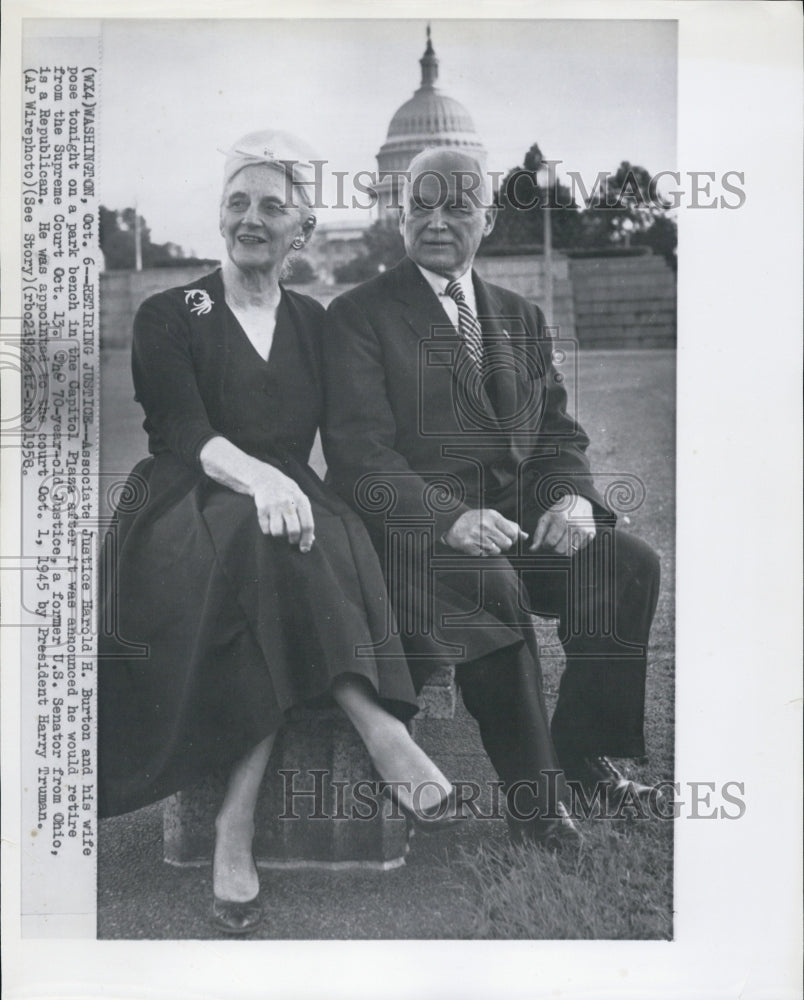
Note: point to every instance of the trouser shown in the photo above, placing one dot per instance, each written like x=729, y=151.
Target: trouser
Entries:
x=503, y=692
x=481, y=611
x=605, y=599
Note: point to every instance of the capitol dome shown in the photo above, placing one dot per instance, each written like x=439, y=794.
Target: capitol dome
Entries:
x=429, y=118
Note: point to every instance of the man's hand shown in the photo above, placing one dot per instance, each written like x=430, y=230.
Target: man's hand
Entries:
x=566, y=527
x=483, y=533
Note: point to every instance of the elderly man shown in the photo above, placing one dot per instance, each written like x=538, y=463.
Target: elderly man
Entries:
x=446, y=429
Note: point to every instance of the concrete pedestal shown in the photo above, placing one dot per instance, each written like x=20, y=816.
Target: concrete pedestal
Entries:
x=437, y=697
x=312, y=810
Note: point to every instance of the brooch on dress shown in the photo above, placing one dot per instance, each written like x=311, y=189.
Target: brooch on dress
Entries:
x=199, y=301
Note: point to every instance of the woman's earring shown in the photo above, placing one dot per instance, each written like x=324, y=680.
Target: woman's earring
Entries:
x=298, y=243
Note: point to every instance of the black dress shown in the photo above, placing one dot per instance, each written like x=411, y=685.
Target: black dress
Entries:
x=210, y=630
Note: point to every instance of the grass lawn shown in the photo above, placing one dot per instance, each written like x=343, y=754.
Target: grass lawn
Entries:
x=621, y=886
x=473, y=884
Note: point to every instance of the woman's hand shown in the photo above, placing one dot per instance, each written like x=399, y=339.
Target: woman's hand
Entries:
x=283, y=510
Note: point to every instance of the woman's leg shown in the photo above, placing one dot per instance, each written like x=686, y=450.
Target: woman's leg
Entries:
x=234, y=874
x=393, y=751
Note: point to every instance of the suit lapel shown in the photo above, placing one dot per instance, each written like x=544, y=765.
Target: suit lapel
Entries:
x=426, y=319
x=497, y=345
x=419, y=304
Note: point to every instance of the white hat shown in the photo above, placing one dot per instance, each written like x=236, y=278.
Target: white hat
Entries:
x=270, y=147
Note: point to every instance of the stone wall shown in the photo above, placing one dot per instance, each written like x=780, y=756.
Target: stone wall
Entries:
x=525, y=274
x=603, y=301
x=624, y=301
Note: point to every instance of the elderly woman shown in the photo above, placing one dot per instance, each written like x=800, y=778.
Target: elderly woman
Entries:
x=242, y=587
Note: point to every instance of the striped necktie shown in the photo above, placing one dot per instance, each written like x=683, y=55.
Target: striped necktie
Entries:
x=468, y=324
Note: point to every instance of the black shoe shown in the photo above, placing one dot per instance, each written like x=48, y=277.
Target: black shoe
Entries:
x=443, y=816
x=554, y=833
x=236, y=918
x=592, y=771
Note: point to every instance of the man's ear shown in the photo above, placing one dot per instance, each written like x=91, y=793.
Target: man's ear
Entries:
x=402, y=216
x=491, y=218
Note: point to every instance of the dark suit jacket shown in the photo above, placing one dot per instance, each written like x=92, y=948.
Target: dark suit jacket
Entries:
x=412, y=432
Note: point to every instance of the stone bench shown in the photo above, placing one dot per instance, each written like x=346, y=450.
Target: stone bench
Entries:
x=323, y=740
x=307, y=798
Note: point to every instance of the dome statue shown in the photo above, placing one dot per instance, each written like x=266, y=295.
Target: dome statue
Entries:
x=429, y=118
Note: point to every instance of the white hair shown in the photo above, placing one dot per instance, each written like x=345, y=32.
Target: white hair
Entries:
x=473, y=170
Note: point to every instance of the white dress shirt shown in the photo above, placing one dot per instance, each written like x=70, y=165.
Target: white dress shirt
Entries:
x=438, y=283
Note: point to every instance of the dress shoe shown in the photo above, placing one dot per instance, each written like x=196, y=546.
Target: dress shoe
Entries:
x=594, y=770
x=236, y=918
x=554, y=833
x=443, y=816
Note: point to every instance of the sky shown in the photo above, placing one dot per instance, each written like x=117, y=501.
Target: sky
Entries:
x=175, y=93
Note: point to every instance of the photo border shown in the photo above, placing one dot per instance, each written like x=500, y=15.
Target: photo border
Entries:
x=738, y=691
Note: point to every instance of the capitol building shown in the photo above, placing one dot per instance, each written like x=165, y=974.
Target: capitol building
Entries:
x=429, y=118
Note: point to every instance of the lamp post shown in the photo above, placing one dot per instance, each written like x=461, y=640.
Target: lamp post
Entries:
x=137, y=239
x=535, y=161
x=548, y=258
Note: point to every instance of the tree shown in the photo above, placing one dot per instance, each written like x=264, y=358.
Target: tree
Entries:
x=629, y=211
x=118, y=237
x=300, y=271
x=625, y=211
x=521, y=202
x=628, y=206
x=662, y=238
x=384, y=247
